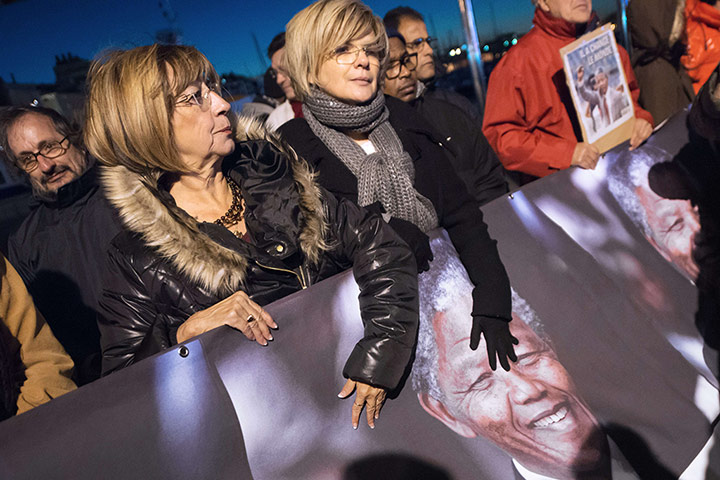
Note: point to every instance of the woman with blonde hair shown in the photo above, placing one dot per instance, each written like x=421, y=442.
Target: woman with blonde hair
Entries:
x=221, y=220
x=376, y=151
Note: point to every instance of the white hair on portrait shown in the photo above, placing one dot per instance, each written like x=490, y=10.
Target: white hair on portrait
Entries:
x=439, y=289
x=628, y=172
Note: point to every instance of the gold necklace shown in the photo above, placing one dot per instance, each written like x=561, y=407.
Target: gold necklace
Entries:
x=234, y=215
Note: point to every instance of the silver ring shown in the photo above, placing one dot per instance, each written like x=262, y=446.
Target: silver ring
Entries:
x=250, y=318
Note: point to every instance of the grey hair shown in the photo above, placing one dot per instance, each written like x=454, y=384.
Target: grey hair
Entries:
x=628, y=172
x=439, y=289
x=11, y=115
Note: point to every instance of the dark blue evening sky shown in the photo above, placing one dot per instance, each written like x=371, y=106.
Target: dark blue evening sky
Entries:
x=32, y=32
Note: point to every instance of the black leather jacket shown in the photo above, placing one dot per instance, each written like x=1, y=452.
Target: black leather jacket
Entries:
x=300, y=234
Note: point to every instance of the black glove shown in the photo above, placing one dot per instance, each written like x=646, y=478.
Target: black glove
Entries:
x=416, y=239
x=498, y=338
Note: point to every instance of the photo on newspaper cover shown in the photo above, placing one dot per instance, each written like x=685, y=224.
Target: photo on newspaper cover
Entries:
x=598, y=87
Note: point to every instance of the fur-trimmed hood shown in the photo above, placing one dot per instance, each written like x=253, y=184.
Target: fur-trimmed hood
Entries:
x=280, y=194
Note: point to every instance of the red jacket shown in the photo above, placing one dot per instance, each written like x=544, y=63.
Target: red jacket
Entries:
x=529, y=118
x=703, y=41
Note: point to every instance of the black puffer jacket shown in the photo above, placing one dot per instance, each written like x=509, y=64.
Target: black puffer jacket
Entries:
x=300, y=233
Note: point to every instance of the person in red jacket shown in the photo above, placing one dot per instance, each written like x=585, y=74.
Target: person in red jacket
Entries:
x=529, y=118
x=703, y=40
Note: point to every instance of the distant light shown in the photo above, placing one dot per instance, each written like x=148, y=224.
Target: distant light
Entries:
x=452, y=52
x=458, y=51
x=464, y=47
x=486, y=48
x=514, y=41
x=34, y=103
x=612, y=25
x=506, y=43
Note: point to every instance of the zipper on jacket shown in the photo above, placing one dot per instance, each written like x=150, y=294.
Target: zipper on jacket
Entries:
x=300, y=277
x=306, y=276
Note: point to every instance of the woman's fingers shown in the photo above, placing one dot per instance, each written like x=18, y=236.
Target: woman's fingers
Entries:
x=347, y=389
x=374, y=401
x=237, y=311
x=251, y=319
x=268, y=319
x=257, y=324
x=367, y=397
x=357, y=406
x=380, y=403
x=356, y=410
x=370, y=409
x=260, y=331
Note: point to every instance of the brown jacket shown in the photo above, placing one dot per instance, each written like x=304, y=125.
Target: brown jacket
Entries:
x=47, y=367
x=665, y=86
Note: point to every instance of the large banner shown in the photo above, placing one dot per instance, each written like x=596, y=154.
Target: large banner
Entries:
x=612, y=381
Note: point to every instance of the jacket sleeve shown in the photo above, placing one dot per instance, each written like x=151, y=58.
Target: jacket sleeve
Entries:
x=634, y=87
x=521, y=144
x=47, y=367
x=461, y=216
x=385, y=270
x=132, y=326
x=489, y=172
x=696, y=50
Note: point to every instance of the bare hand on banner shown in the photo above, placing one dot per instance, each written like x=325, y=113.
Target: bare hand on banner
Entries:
x=367, y=396
x=641, y=131
x=237, y=311
x=585, y=156
x=498, y=339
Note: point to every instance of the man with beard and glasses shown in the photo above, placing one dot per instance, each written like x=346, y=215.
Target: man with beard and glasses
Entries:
x=533, y=412
x=468, y=150
x=60, y=248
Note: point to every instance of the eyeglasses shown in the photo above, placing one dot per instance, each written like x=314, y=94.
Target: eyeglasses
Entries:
x=417, y=44
x=29, y=161
x=200, y=98
x=274, y=72
x=408, y=60
x=347, y=55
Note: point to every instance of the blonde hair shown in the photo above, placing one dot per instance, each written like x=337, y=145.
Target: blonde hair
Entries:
x=317, y=30
x=131, y=101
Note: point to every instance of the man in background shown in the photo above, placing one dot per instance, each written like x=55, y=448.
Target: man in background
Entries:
x=290, y=108
x=467, y=148
x=59, y=250
x=411, y=25
x=264, y=104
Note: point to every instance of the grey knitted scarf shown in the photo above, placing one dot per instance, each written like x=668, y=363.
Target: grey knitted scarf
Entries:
x=386, y=175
